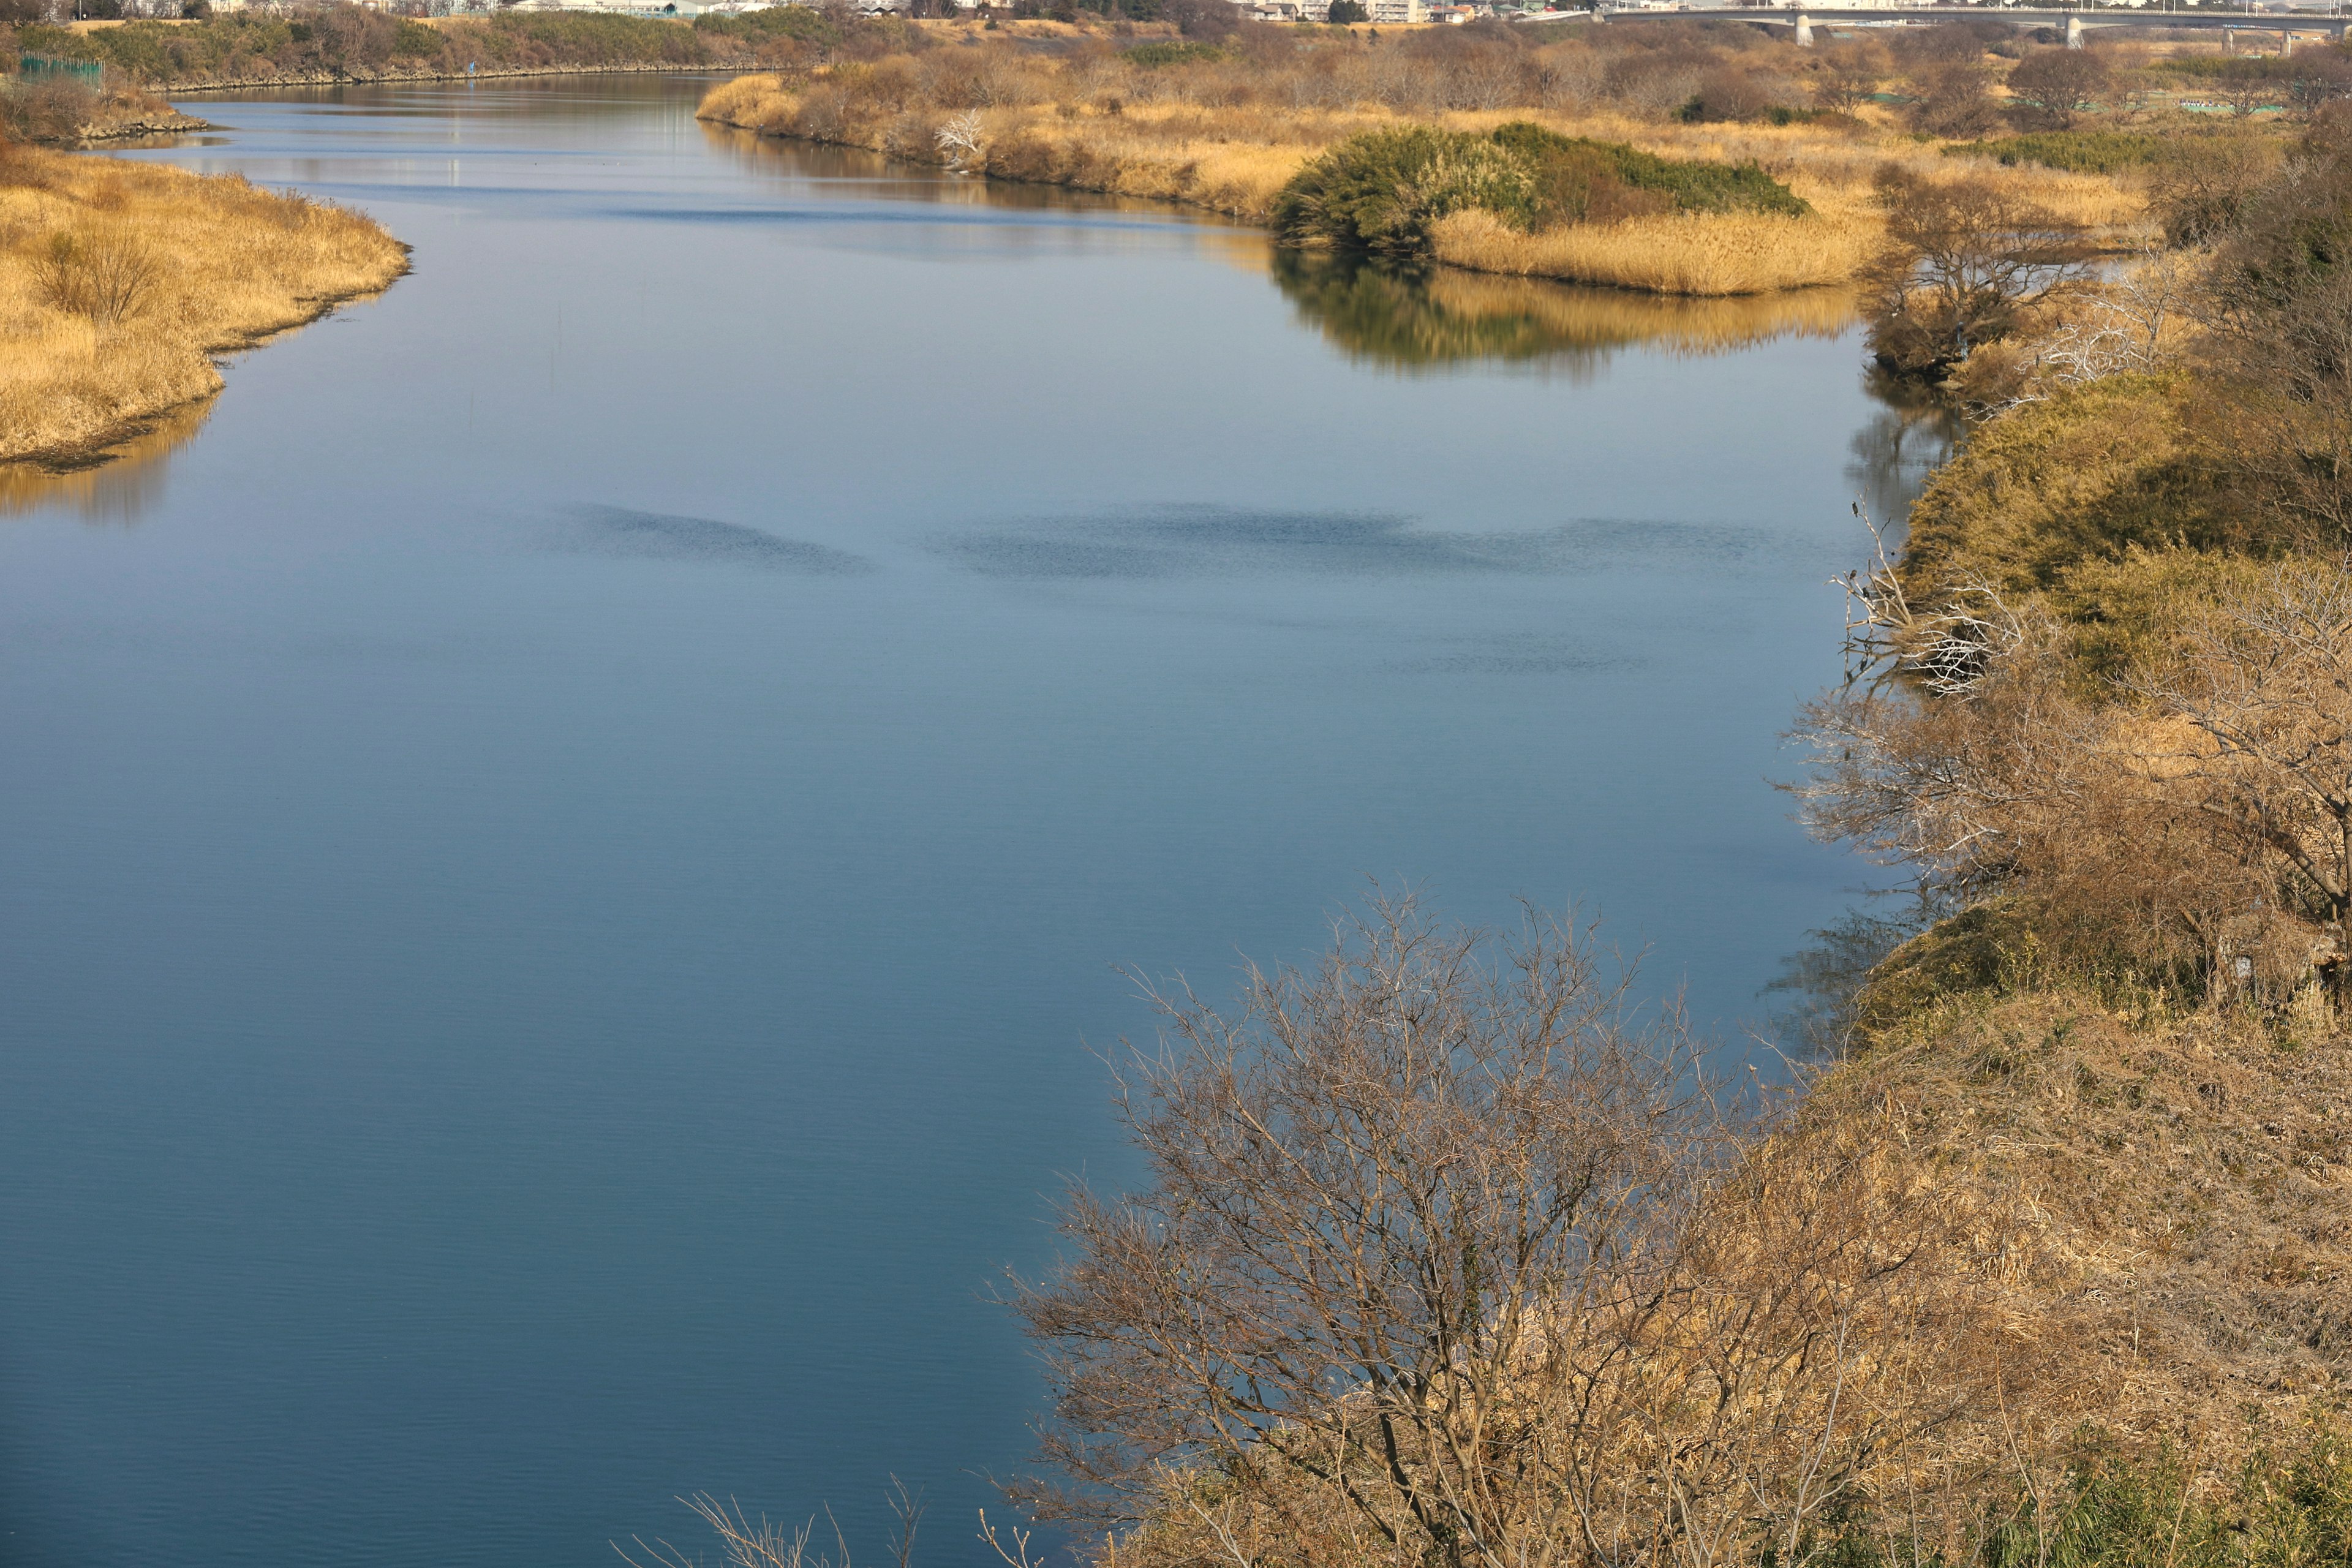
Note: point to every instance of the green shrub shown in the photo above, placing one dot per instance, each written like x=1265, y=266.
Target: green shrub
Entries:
x=1565, y=164
x=1169, y=52
x=415, y=40
x=2080, y=152
x=1381, y=190
x=800, y=23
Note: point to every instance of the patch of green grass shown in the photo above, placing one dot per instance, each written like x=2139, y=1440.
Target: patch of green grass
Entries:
x=1687, y=186
x=1169, y=52
x=2079, y=151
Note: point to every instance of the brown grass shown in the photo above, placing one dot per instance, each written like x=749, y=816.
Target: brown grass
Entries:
x=1065, y=126
x=117, y=281
x=2180, y=1183
x=1716, y=254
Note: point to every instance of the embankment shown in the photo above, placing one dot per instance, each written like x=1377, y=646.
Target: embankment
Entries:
x=121, y=280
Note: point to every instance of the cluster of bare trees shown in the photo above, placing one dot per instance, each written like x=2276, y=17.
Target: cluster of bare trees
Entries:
x=2180, y=816
x=1446, y=1262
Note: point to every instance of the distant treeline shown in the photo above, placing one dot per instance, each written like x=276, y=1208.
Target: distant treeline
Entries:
x=350, y=42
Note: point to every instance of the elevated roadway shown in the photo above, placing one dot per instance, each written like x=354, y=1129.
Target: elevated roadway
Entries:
x=2074, y=22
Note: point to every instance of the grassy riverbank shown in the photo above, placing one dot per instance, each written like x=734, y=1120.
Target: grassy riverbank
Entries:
x=1229, y=127
x=121, y=280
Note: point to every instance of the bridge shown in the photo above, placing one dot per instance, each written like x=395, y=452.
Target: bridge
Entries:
x=2075, y=23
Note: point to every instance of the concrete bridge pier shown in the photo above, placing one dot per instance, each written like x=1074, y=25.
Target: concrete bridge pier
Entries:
x=1805, y=31
x=2074, y=32
x=2287, y=41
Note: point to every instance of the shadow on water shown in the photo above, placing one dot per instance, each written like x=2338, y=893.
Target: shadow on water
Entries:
x=114, y=485
x=1408, y=317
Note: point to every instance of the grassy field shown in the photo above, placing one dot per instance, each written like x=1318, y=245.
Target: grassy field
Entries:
x=121, y=280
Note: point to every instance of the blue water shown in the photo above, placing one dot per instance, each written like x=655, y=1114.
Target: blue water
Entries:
x=569, y=840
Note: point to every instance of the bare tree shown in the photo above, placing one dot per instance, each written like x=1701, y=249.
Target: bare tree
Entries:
x=958, y=141
x=1964, y=260
x=2058, y=85
x=1850, y=74
x=1443, y=1262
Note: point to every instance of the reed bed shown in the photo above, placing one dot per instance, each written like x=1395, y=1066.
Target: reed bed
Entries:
x=1710, y=254
x=120, y=281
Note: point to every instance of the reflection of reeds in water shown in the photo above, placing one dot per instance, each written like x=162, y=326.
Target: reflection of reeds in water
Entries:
x=116, y=485
x=877, y=176
x=1412, y=318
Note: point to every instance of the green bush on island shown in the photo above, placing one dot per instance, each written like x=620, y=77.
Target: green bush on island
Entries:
x=1382, y=190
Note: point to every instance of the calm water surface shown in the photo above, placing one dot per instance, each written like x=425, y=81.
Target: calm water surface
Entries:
x=569, y=836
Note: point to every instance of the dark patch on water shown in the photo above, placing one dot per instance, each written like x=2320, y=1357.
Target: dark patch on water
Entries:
x=1525, y=653
x=660, y=536
x=1197, y=541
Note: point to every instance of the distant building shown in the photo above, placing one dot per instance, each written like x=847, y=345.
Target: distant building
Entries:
x=1398, y=13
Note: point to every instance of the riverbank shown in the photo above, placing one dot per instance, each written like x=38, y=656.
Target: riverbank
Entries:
x=124, y=280
x=346, y=45
x=1104, y=125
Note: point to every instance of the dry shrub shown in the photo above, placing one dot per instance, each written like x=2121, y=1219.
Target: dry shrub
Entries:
x=1444, y=1262
x=2147, y=818
x=108, y=274
x=52, y=108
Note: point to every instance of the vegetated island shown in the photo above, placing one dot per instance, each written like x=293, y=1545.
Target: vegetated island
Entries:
x=1439, y=1257
x=121, y=280
x=1701, y=158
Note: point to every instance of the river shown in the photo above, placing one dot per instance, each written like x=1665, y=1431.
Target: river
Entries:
x=570, y=836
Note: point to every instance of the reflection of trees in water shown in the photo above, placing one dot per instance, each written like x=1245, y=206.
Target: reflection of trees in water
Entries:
x=1915, y=433
x=117, y=485
x=1813, y=994
x=1405, y=316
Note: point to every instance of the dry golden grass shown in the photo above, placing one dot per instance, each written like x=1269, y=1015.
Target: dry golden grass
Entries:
x=1716, y=254
x=2180, y=1183
x=1235, y=159
x=117, y=281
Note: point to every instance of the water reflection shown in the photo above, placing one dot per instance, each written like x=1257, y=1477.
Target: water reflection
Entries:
x=1894, y=454
x=823, y=182
x=115, y=485
x=1812, y=1000
x=1408, y=317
